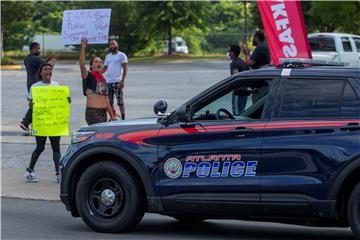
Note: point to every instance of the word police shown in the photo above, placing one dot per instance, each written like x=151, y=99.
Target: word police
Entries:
x=215, y=166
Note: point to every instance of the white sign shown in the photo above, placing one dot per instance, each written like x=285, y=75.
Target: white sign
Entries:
x=90, y=23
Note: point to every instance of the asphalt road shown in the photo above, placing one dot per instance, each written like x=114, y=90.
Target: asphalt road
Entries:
x=28, y=219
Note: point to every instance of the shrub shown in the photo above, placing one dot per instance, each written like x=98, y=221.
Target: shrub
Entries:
x=7, y=61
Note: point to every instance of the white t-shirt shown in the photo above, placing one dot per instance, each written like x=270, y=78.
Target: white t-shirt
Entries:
x=40, y=83
x=113, y=62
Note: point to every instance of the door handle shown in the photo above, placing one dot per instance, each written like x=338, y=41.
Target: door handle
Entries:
x=351, y=127
x=241, y=130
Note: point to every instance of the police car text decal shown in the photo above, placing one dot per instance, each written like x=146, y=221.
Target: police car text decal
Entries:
x=215, y=166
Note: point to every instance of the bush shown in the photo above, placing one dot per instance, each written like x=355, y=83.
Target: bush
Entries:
x=7, y=61
x=16, y=54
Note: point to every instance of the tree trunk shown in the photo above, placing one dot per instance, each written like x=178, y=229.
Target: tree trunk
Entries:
x=245, y=39
x=169, y=40
x=1, y=41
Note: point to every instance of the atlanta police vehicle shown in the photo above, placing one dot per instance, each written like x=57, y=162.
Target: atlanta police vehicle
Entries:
x=276, y=144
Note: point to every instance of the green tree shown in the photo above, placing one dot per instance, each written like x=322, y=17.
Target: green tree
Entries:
x=129, y=27
x=163, y=18
x=15, y=17
x=47, y=16
x=325, y=16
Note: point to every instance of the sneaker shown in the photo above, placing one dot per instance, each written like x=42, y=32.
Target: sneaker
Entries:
x=30, y=175
x=24, y=127
x=57, y=178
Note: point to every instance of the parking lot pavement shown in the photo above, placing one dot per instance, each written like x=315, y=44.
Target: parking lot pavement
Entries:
x=175, y=82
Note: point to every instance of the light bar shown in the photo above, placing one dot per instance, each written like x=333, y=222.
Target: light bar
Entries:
x=312, y=62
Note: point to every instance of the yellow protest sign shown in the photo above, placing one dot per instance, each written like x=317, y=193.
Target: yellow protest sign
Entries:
x=51, y=110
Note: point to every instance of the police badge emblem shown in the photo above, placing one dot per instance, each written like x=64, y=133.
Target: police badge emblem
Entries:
x=173, y=168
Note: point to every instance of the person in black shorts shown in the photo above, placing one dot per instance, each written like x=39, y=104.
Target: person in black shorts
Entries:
x=236, y=65
x=261, y=54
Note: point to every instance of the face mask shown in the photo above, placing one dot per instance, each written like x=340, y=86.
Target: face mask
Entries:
x=229, y=56
x=254, y=43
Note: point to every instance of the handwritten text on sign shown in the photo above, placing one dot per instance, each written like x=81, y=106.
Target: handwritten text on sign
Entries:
x=51, y=110
x=90, y=23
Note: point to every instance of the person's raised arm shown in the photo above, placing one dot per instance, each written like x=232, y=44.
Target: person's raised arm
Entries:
x=84, y=72
x=248, y=59
x=52, y=59
x=105, y=65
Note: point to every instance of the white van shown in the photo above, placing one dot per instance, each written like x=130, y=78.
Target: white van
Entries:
x=178, y=45
x=336, y=47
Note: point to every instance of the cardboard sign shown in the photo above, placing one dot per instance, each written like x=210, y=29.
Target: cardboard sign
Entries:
x=93, y=24
x=51, y=111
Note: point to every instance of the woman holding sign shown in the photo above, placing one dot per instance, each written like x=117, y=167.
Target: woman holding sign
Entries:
x=44, y=75
x=94, y=88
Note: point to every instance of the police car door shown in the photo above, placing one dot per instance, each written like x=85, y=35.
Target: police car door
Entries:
x=312, y=134
x=214, y=158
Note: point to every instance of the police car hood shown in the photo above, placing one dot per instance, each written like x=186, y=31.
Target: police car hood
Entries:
x=122, y=123
x=124, y=126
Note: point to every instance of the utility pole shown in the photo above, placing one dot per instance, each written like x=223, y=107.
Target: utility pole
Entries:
x=245, y=21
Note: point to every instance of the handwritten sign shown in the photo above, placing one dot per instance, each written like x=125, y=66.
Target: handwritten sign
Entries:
x=51, y=110
x=90, y=23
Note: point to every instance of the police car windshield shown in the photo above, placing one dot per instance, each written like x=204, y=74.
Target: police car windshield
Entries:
x=245, y=102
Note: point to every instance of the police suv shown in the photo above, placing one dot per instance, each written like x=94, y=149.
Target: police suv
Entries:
x=276, y=144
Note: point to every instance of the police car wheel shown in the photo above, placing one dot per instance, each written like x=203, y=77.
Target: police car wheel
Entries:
x=109, y=199
x=188, y=218
x=353, y=211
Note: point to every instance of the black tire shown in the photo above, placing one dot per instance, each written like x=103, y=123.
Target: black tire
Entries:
x=353, y=211
x=184, y=218
x=109, y=199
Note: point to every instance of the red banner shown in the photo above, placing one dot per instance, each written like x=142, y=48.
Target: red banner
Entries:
x=285, y=29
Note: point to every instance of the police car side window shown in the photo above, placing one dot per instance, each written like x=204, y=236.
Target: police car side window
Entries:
x=307, y=98
x=244, y=102
x=350, y=105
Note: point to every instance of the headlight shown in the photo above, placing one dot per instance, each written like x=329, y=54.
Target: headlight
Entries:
x=81, y=136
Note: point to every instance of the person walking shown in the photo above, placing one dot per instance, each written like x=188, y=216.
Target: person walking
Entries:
x=44, y=75
x=236, y=65
x=261, y=54
x=116, y=68
x=94, y=88
x=32, y=63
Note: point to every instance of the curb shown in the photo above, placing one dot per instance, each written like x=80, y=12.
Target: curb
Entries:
x=30, y=198
x=10, y=67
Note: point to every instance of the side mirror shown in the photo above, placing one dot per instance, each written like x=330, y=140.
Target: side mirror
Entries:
x=160, y=107
x=182, y=114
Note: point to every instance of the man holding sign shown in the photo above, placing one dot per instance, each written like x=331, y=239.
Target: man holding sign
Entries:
x=50, y=104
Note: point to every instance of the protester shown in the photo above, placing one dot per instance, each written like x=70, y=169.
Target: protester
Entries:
x=236, y=65
x=44, y=75
x=261, y=54
x=94, y=88
x=32, y=63
x=115, y=69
